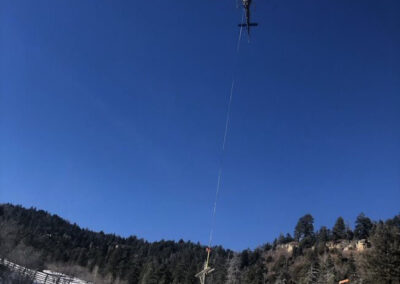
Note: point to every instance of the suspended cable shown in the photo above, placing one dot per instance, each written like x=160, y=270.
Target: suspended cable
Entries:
x=224, y=143
x=207, y=270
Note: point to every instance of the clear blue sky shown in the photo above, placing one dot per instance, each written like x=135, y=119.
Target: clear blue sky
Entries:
x=112, y=114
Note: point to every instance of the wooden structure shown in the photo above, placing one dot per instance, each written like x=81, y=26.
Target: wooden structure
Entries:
x=207, y=270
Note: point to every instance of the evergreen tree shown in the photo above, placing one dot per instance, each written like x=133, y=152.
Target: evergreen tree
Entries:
x=327, y=272
x=280, y=270
x=382, y=262
x=244, y=259
x=304, y=227
x=133, y=275
x=323, y=235
x=363, y=227
x=349, y=233
x=339, y=230
x=150, y=274
x=166, y=276
x=284, y=239
x=394, y=222
x=281, y=239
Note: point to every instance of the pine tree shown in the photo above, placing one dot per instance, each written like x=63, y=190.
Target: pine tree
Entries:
x=323, y=235
x=382, y=262
x=244, y=259
x=150, y=273
x=339, y=230
x=363, y=227
x=304, y=227
x=327, y=273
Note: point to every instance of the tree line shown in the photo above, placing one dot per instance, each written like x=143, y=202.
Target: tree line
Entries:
x=38, y=240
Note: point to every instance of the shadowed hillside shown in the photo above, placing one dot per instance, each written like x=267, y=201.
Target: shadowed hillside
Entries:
x=38, y=240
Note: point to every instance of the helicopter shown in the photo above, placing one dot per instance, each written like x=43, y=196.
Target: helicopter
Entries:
x=246, y=6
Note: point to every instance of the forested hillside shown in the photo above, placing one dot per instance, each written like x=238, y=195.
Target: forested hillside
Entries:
x=369, y=253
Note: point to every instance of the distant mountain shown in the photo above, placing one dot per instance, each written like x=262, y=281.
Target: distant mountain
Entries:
x=38, y=240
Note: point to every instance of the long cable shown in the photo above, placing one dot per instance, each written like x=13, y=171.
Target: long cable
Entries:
x=224, y=143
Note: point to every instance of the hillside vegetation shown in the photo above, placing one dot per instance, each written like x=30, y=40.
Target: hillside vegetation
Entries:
x=38, y=240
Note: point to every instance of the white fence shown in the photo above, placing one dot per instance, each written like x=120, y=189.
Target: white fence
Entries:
x=39, y=277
